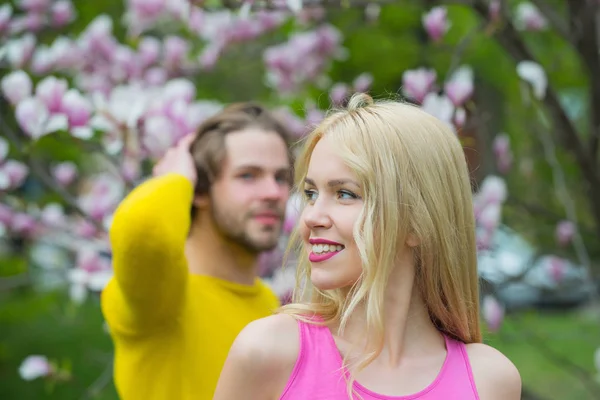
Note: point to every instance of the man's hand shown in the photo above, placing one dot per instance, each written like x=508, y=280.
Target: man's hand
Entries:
x=178, y=160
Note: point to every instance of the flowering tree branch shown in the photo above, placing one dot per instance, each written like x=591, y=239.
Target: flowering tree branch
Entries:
x=38, y=169
x=584, y=27
x=564, y=128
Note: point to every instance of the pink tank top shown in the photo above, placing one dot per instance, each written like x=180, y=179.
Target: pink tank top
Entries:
x=318, y=373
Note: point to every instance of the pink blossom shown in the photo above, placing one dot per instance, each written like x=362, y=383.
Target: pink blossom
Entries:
x=33, y=367
x=292, y=213
x=34, y=5
x=5, y=14
x=528, y=17
x=65, y=173
x=363, y=82
x=6, y=215
x=439, y=106
x=156, y=76
x=490, y=216
x=23, y=224
x=493, y=190
x=533, y=73
x=501, y=147
x=460, y=86
x=210, y=55
x=460, y=117
x=77, y=108
x=16, y=172
x=495, y=9
x=565, y=230
x=43, y=60
x=16, y=86
x=19, y=51
x=175, y=51
x=556, y=268
x=147, y=8
x=338, y=93
x=85, y=229
x=149, y=50
x=32, y=22
x=51, y=91
x=493, y=313
x=158, y=137
x=416, y=83
x=436, y=23
x=53, y=215
x=62, y=13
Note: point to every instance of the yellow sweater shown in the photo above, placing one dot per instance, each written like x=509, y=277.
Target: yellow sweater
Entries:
x=172, y=330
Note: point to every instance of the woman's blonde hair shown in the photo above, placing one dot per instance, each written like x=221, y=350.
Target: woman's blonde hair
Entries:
x=415, y=180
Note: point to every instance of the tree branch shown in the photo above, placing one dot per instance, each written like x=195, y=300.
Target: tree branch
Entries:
x=583, y=21
x=510, y=39
x=38, y=171
x=557, y=22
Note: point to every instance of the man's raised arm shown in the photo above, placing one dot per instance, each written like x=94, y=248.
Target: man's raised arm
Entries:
x=147, y=238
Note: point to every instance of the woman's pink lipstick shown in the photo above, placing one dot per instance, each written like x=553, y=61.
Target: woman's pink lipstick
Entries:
x=312, y=257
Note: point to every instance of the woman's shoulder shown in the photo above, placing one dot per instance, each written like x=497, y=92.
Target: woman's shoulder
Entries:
x=270, y=344
x=496, y=377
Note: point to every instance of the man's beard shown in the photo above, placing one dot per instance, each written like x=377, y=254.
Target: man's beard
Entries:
x=234, y=230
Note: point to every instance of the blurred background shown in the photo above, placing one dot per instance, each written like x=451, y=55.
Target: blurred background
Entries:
x=93, y=93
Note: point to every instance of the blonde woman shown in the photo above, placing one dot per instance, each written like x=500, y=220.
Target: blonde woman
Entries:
x=386, y=304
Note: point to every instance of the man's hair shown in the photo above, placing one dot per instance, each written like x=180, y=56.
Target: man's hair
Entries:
x=208, y=149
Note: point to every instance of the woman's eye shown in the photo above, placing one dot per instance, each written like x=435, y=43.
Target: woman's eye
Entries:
x=346, y=195
x=247, y=176
x=310, y=195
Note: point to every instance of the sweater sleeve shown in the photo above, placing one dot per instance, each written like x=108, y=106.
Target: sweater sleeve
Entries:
x=147, y=238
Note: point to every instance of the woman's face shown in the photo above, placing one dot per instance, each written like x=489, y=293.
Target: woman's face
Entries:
x=334, y=203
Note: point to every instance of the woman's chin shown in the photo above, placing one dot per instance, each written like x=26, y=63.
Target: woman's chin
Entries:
x=323, y=280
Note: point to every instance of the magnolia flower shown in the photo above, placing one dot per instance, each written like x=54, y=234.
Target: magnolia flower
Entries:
x=5, y=14
x=16, y=86
x=35, y=119
x=565, y=230
x=460, y=117
x=534, y=74
x=417, y=83
x=34, y=366
x=19, y=51
x=51, y=91
x=501, y=148
x=338, y=93
x=556, y=268
x=459, y=88
x=439, y=106
x=493, y=313
x=16, y=172
x=494, y=10
x=62, y=13
x=363, y=82
x=64, y=173
x=436, y=23
x=528, y=17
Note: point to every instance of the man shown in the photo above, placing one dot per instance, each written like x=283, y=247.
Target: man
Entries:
x=185, y=283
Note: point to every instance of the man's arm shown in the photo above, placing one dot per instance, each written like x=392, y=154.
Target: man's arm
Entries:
x=147, y=238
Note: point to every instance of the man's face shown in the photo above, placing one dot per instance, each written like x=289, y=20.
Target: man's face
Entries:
x=249, y=197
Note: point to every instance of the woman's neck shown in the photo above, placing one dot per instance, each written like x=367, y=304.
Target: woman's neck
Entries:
x=408, y=328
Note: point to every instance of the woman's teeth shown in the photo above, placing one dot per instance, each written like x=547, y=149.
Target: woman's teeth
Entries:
x=326, y=248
